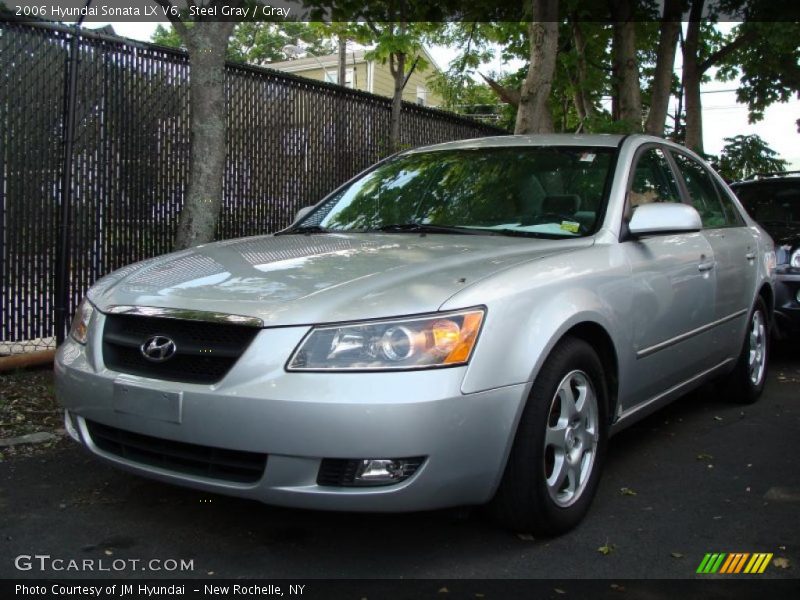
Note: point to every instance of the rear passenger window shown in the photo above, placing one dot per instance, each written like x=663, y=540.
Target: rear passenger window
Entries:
x=732, y=214
x=704, y=194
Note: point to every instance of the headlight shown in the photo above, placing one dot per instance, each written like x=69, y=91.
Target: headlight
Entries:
x=795, y=260
x=439, y=340
x=80, y=323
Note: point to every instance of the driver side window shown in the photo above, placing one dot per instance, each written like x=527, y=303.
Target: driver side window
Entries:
x=652, y=180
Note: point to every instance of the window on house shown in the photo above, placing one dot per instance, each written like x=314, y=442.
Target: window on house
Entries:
x=332, y=76
x=422, y=94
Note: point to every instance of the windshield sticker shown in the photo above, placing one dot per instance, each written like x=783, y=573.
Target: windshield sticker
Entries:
x=570, y=226
x=587, y=157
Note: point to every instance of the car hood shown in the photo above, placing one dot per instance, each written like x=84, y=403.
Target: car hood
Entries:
x=784, y=234
x=305, y=279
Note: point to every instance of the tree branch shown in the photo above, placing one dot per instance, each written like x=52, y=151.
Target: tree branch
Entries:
x=507, y=94
x=410, y=71
x=723, y=52
x=179, y=25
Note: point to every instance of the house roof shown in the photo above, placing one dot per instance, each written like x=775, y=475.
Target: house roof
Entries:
x=332, y=61
x=315, y=62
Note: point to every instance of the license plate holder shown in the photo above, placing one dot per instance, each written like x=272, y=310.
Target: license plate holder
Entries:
x=146, y=402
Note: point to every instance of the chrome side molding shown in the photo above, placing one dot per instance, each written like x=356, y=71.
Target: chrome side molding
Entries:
x=184, y=314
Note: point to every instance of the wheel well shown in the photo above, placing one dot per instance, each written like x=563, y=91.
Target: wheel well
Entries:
x=598, y=338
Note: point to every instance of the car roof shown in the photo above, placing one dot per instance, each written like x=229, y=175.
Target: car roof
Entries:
x=788, y=176
x=600, y=140
x=606, y=140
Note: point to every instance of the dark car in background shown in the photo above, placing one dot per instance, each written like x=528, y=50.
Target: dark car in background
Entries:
x=773, y=200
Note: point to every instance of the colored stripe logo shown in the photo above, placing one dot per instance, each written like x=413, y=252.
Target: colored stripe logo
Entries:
x=734, y=563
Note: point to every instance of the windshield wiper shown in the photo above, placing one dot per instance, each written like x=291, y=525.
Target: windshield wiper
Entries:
x=303, y=229
x=534, y=234
x=423, y=228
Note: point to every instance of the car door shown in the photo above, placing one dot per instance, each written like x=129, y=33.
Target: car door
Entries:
x=734, y=250
x=673, y=286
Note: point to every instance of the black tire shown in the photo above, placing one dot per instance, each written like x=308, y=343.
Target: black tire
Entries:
x=524, y=502
x=741, y=386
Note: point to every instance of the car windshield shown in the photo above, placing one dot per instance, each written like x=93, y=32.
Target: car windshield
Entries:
x=771, y=201
x=536, y=191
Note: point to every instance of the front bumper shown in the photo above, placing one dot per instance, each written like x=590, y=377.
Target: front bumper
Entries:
x=298, y=419
x=787, y=307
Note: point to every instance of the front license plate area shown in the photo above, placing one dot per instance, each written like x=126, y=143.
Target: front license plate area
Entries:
x=146, y=402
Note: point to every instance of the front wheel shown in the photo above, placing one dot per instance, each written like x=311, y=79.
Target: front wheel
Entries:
x=558, y=452
x=746, y=382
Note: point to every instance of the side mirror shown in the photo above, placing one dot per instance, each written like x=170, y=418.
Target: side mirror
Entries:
x=664, y=217
x=302, y=213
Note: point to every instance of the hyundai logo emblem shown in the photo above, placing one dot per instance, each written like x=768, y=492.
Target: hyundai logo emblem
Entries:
x=158, y=348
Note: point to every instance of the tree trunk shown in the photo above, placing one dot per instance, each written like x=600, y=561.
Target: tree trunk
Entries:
x=583, y=101
x=691, y=80
x=665, y=63
x=207, y=43
x=533, y=114
x=397, y=66
x=625, y=68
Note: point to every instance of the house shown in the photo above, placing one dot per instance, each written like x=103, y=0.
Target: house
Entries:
x=366, y=75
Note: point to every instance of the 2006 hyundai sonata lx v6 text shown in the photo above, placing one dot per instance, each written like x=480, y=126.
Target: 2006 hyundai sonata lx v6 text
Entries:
x=461, y=324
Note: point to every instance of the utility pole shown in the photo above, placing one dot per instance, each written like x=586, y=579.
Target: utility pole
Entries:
x=342, y=61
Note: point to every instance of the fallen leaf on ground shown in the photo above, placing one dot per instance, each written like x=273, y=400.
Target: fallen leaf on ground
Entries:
x=606, y=549
x=676, y=555
x=625, y=491
x=525, y=537
x=782, y=563
x=703, y=456
x=559, y=591
x=444, y=590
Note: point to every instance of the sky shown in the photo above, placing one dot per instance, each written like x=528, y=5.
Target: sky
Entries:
x=722, y=115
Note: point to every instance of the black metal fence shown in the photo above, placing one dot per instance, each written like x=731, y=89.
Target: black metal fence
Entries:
x=290, y=140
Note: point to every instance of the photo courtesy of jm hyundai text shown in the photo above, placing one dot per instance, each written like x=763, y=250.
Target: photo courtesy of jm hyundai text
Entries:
x=461, y=324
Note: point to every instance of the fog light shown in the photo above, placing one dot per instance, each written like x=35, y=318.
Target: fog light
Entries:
x=366, y=472
x=379, y=470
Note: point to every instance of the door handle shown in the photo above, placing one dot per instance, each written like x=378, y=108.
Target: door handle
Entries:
x=706, y=266
x=750, y=256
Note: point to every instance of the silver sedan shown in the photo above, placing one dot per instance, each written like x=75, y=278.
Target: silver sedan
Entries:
x=461, y=324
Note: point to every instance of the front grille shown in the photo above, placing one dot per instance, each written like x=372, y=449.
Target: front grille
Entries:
x=189, y=459
x=206, y=351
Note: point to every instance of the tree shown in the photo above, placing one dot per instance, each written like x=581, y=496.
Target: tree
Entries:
x=767, y=67
x=533, y=113
x=395, y=40
x=260, y=42
x=665, y=63
x=746, y=155
x=627, y=97
x=206, y=42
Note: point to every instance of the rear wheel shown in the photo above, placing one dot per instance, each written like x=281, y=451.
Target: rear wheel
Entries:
x=557, y=456
x=746, y=382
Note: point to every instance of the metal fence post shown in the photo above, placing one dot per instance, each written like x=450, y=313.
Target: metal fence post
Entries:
x=61, y=308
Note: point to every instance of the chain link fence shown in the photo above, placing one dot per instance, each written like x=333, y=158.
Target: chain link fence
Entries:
x=290, y=140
